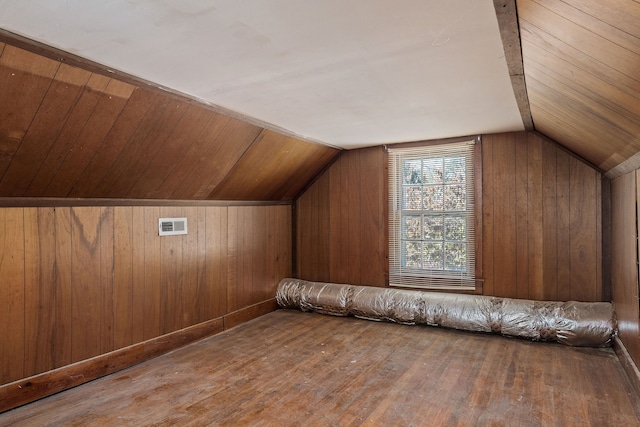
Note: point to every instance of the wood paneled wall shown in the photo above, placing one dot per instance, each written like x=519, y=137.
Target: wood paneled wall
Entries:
x=541, y=221
x=76, y=282
x=624, y=263
x=341, y=222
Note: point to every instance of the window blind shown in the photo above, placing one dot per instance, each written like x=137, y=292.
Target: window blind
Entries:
x=431, y=206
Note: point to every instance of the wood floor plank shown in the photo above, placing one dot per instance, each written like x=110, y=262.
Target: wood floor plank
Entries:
x=294, y=368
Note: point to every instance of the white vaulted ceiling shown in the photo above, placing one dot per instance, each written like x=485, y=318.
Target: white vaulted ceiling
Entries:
x=346, y=73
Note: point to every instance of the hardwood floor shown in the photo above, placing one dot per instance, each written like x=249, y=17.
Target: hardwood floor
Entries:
x=294, y=368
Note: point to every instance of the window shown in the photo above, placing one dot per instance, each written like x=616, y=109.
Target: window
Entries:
x=431, y=216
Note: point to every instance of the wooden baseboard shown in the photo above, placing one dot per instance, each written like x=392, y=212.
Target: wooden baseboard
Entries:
x=628, y=365
x=249, y=313
x=30, y=389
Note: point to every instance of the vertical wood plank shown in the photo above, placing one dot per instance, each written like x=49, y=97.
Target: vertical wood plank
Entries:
x=563, y=225
x=478, y=217
x=339, y=221
x=372, y=224
x=262, y=285
x=521, y=177
x=171, y=276
x=106, y=279
x=138, y=263
x=353, y=222
x=248, y=262
x=549, y=219
x=216, y=260
x=280, y=238
x=190, y=268
x=233, y=249
x=272, y=223
x=605, y=237
x=153, y=317
x=40, y=290
x=535, y=218
x=63, y=345
x=86, y=277
x=599, y=291
x=123, y=277
x=488, y=218
x=583, y=232
x=304, y=234
x=203, y=290
x=505, y=273
x=322, y=241
x=12, y=295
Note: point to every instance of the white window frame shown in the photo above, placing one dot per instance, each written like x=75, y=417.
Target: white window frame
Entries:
x=435, y=278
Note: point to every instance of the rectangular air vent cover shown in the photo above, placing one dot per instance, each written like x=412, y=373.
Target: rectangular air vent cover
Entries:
x=172, y=226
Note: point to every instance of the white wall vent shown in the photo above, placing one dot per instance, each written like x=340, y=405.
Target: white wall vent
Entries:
x=172, y=226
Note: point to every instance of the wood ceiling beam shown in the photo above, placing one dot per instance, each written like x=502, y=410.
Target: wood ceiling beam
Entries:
x=507, y=15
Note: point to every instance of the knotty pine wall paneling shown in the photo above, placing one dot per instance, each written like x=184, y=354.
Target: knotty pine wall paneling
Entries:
x=78, y=282
x=541, y=221
x=624, y=263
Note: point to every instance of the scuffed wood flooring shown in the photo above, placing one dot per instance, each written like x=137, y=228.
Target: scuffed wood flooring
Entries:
x=290, y=368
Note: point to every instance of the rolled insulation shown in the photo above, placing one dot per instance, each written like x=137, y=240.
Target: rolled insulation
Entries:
x=572, y=323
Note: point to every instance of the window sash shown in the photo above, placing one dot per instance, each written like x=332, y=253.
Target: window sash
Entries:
x=423, y=277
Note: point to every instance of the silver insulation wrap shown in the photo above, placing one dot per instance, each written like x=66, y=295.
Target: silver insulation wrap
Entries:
x=572, y=323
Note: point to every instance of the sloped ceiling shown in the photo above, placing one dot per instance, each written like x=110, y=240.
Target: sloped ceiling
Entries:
x=265, y=93
x=343, y=73
x=67, y=132
x=582, y=68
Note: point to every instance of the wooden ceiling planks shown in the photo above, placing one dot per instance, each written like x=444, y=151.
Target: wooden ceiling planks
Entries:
x=281, y=173
x=587, y=121
x=225, y=149
x=581, y=61
x=144, y=144
x=48, y=122
x=103, y=162
x=24, y=83
x=68, y=132
x=94, y=133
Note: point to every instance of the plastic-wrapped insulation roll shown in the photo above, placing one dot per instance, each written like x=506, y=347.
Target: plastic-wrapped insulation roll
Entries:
x=572, y=323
